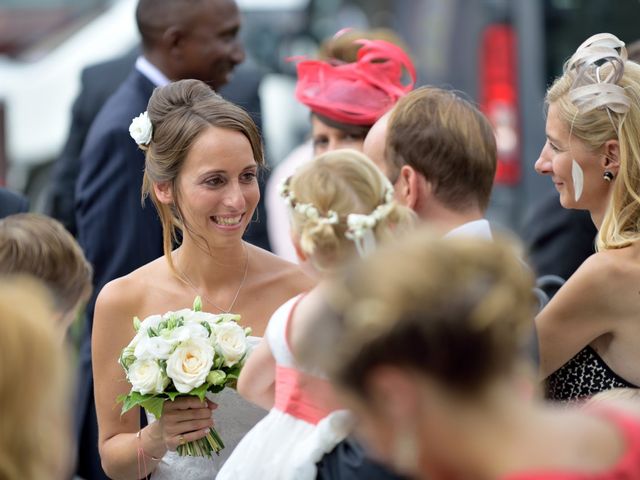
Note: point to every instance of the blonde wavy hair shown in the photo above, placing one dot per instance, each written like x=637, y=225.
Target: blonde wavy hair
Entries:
x=621, y=224
x=458, y=310
x=35, y=433
x=343, y=181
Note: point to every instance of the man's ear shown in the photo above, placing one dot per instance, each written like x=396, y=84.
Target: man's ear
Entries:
x=163, y=192
x=173, y=39
x=611, y=160
x=406, y=187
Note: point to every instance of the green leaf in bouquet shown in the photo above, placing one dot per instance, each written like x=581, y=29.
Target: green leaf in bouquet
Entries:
x=172, y=395
x=197, y=304
x=207, y=326
x=152, y=332
x=200, y=391
x=153, y=405
x=247, y=331
x=134, y=399
x=136, y=324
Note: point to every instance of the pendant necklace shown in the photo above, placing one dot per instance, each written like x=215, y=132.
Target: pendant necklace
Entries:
x=203, y=295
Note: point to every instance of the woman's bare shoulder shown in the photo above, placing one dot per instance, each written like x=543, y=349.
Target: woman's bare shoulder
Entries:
x=125, y=295
x=276, y=269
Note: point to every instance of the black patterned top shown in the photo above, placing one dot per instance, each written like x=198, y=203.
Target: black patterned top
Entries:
x=583, y=376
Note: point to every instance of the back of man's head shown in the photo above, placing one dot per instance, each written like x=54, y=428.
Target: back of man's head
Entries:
x=448, y=141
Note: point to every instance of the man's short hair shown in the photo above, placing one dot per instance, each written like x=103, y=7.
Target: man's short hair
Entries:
x=447, y=140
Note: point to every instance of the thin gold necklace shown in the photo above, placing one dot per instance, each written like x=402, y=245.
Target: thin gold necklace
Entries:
x=203, y=295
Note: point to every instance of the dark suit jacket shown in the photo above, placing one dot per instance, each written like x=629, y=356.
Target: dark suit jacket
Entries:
x=98, y=82
x=116, y=233
x=348, y=461
x=11, y=202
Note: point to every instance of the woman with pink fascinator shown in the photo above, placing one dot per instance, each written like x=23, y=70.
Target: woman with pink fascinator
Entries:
x=360, y=77
x=589, y=333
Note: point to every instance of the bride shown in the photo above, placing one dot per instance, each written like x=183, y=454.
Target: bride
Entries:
x=202, y=160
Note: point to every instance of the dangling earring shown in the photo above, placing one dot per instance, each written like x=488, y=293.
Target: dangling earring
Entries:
x=608, y=176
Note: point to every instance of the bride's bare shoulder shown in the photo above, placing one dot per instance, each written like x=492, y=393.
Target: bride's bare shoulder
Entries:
x=126, y=295
x=287, y=274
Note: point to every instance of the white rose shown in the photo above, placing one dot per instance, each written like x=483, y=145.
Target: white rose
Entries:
x=187, y=331
x=154, y=348
x=141, y=129
x=231, y=342
x=145, y=376
x=190, y=363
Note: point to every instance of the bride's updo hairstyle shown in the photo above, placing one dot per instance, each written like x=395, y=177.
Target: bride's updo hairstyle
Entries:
x=598, y=97
x=329, y=189
x=455, y=310
x=179, y=113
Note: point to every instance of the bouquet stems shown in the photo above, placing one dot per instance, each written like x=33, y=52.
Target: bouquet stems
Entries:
x=204, y=447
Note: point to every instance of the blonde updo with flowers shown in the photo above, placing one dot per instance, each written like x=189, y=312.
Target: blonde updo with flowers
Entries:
x=341, y=203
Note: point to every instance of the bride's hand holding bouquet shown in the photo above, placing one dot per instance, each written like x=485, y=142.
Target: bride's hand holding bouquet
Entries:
x=180, y=356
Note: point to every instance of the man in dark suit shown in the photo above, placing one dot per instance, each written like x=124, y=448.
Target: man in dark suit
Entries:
x=98, y=82
x=11, y=202
x=180, y=39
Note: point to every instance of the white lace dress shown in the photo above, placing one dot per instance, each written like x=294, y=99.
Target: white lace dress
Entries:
x=298, y=431
x=234, y=417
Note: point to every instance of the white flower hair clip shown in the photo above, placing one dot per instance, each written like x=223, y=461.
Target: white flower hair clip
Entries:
x=307, y=210
x=141, y=129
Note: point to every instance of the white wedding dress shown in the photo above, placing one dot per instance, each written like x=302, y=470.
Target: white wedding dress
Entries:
x=233, y=418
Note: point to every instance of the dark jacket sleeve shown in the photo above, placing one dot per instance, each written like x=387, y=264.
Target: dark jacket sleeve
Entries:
x=116, y=233
x=12, y=202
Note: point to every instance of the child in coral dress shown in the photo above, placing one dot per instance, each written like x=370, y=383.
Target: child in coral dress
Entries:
x=340, y=204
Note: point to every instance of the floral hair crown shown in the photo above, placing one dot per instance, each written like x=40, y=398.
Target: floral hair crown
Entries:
x=141, y=130
x=359, y=226
x=592, y=90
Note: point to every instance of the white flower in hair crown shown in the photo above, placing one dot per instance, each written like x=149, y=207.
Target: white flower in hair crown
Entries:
x=360, y=226
x=141, y=129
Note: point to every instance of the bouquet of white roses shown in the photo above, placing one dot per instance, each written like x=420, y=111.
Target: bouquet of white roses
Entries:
x=188, y=352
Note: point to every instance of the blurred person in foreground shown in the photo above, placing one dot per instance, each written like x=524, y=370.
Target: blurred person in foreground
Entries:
x=426, y=340
x=180, y=39
x=589, y=332
x=35, y=245
x=35, y=391
x=359, y=77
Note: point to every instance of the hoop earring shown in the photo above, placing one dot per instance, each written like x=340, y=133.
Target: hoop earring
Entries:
x=608, y=176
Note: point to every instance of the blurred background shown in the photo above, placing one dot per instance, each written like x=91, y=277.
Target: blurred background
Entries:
x=501, y=54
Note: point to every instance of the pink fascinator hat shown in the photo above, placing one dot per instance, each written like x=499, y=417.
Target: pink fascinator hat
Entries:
x=357, y=93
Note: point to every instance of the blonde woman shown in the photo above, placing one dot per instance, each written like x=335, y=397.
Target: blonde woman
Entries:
x=424, y=342
x=340, y=204
x=35, y=391
x=203, y=155
x=589, y=333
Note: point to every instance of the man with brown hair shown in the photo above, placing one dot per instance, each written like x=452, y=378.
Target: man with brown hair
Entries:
x=439, y=152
